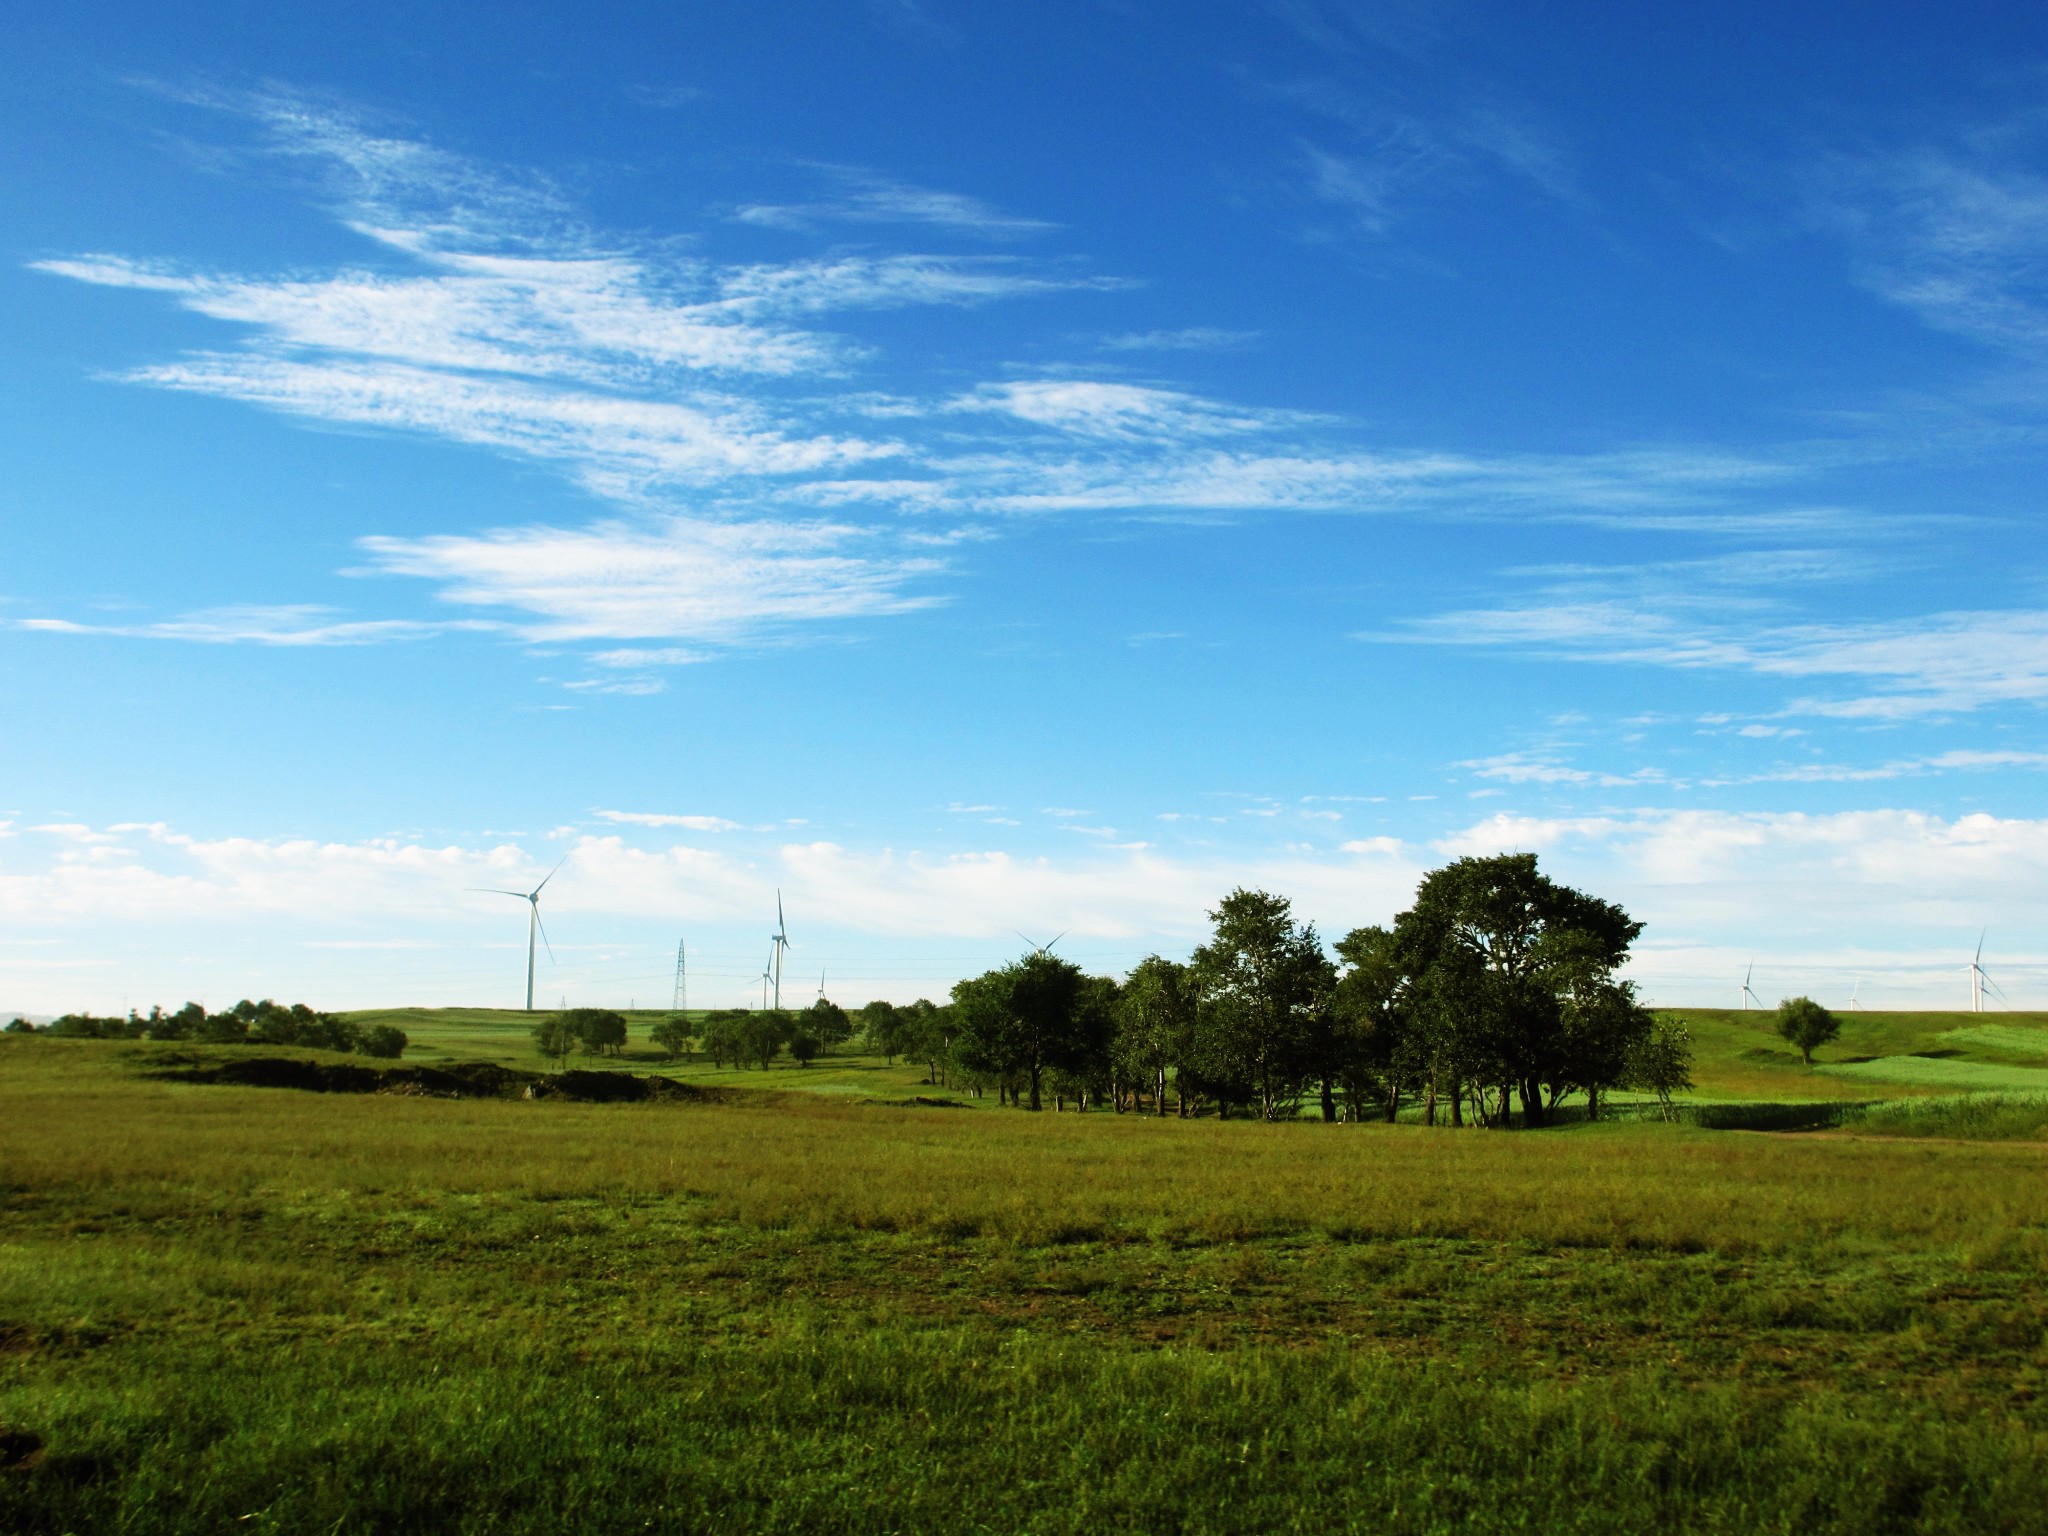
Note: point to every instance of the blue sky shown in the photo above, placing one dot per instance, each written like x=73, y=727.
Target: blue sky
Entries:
x=980, y=469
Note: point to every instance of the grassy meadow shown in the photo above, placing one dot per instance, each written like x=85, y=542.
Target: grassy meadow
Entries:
x=822, y=1306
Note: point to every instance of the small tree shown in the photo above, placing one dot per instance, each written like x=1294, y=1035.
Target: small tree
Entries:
x=759, y=1036
x=1659, y=1061
x=1807, y=1025
x=20, y=1026
x=672, y=1034
x=882, y=1029
x=803, y=1045
x=554, y=1036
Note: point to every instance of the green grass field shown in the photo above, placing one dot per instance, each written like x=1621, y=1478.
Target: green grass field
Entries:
x=227, y=1308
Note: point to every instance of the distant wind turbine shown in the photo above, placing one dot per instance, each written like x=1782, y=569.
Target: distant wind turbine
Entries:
x=1748, y=996
x=1980, y=979
x=533, y=924
x=821, y=983
x=1856, y=992
x=780, y=940
x=1046, y=947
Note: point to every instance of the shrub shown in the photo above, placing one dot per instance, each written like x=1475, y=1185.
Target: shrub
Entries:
x=383, y=1040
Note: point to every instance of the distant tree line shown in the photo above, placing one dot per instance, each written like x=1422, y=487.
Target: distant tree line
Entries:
x=1495, y=997
x=247, y=1023
x=742, y=1037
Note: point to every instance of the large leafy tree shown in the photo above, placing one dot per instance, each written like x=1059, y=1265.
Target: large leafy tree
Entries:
x=1024, y=1020
x=1155, y=1026
x=925, y=1033
x=1371, y=1017
x=882, y=1027
x=1500, y=947
x=554, y=1036
x=1264, y=985
x=672, y=1034
x=826, y=1022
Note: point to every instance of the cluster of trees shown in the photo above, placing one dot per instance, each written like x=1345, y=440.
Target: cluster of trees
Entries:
x=1496, y=995
x=596, y=1031
x=741, y=1036
x=247, y=1023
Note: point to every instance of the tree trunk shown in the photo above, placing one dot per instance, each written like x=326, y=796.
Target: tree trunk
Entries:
x=1183, y=1097
x=1393, y=1102
x=1592, y=1104
x=1329, y=1103
x=1036, y=1105
x=1159, y=1098
x=1458, y=1103
x=1429, y=1101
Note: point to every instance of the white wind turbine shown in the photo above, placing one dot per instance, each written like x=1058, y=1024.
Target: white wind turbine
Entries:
x=780, y=940
x=1856, y=992
x=1046, y=947
x=533, y=925
x=1980, y=979
x=1748, y=996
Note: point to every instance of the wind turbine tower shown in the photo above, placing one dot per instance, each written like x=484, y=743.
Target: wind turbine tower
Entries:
x=780, y=942
x=533, y=923
x=1748, y=996
x=1980, y=979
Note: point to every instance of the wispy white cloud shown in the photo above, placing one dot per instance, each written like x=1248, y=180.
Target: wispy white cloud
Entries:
x=287, y=625
x=1959, y=235
x=890, y=282
x=863, y=197
x=610, y=320
x=1193, y=338
x=678, y=579
x=623, y=448
x=1936, y=664
x=664, y=819
x=1122, y=411
x=1521, y=768
x=703, y=403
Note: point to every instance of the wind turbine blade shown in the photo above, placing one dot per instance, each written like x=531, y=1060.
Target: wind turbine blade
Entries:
x=543, y=927
x=1979, y=956
x=492, y=890
x=1054, y=940
x=551, y=875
